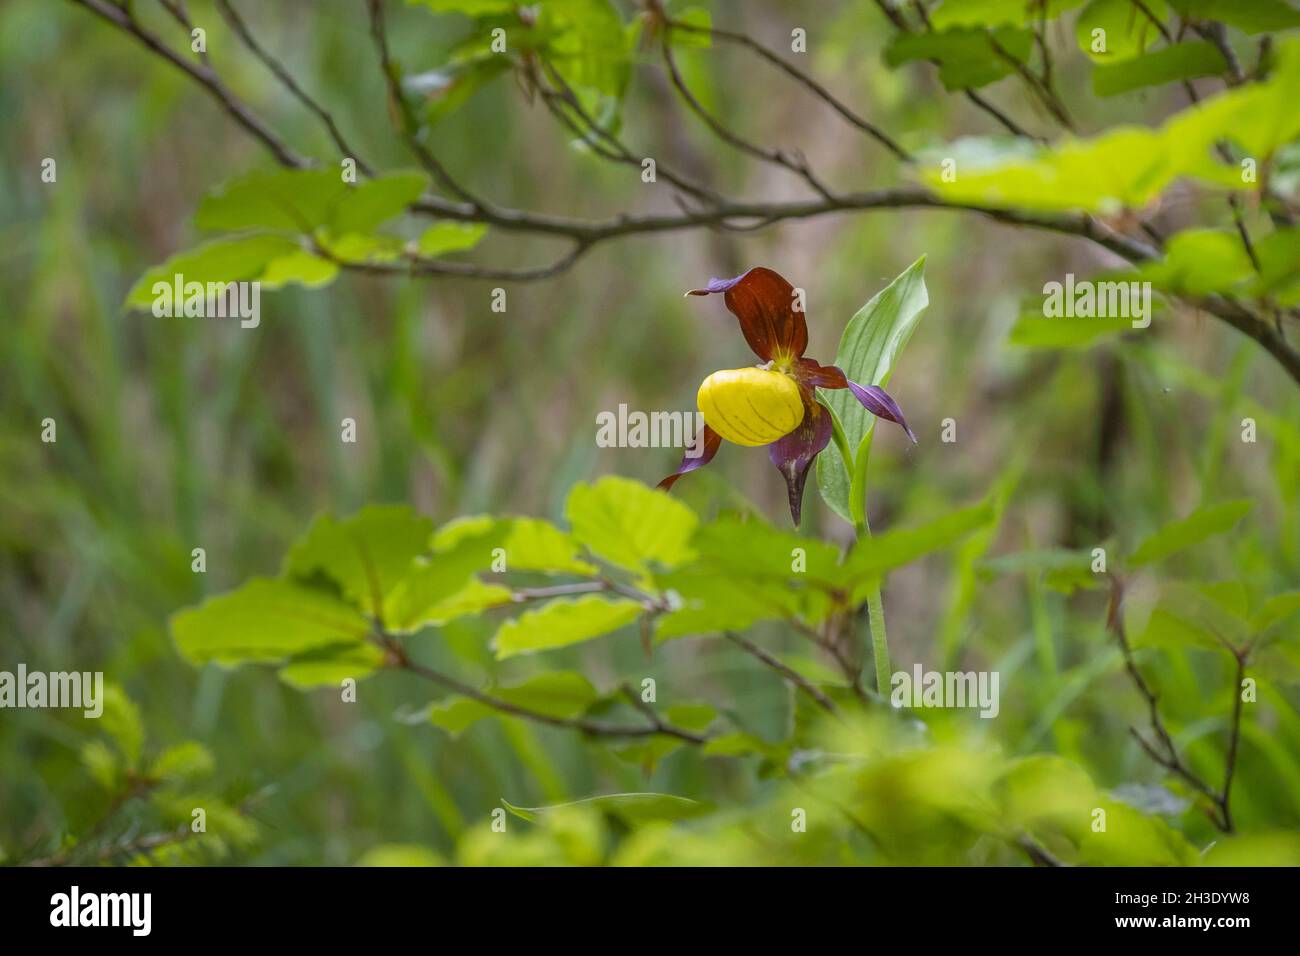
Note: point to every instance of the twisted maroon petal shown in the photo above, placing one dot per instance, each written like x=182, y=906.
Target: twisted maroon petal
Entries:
x=877, y=401
x=793, y=454
x=808, y=372
x=711, y=442
x=764, y=304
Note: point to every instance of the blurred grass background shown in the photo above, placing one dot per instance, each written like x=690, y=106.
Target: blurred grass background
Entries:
x=181, y=433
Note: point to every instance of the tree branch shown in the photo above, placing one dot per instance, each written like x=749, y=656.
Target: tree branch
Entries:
x=583, y=234
x=658, y=727
x=793, y=676
x=799, y=76
x=797, y=165
x=205, y=76
x=237, y=24
x=1166, y=753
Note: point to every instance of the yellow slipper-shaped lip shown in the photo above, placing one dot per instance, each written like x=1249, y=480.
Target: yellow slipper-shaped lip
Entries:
x=750, y=406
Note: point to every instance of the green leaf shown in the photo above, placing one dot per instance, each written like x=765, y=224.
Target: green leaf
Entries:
x=446, y=90
x=530, y=544
x=122, y=723
x=1128, y=167
x=265, y=620
x=1046, y=559
x=1132, y=838
x=1208, y=616
x=1036, y=331
x=331, y=665
x=1255, y=16
x=444, y=237
x=713, y=600
x=699, y=38
x=224, y=260
x=1199, y=262
x=400, y=855
x=563, y=622
x=1279, y=267
x=1127, y=30
x=356, y=247
x=1270, y=848
x=303, y=201
x=741, y=744
x=1183, y=61
x=1203, y=523
x=287, y=200
x=563, y=694
x=631, y=808
x=994, y=13
x=1258, y=117
x=867, y=353
x=101, y=763
x=301, y=267
x=442, y=586
x=375, y=201
x=471, y=8
x=366, y=555
x=967, y=58
x=587, y=44
x=872, y=557
x=753, y=548
x=1125, y=166
x=1275, y=610
x=186, y=761
x=630, y=525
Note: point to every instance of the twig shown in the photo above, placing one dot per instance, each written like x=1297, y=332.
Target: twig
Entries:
x=241, y=29
x=1234, y=738
x=793, y=676
x=558, y=95
x=798, y=165
x=658, y=727
x=1011, y=125
x=1038, y=854
x=407, y=122
x=800, y=76
x=1166, y=754
x=123, y=19
x=584, y=234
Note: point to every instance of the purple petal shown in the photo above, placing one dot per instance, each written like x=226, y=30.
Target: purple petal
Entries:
x=877, y=401
x=793, y=455
x=711, y=441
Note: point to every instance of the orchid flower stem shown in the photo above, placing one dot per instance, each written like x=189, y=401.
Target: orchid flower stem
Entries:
x=876, y=620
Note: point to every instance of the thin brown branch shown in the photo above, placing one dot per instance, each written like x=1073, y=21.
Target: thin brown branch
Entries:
x=795, y=164
x=789, y=673
x=1164, y=751
x=408, y=124
x=560, y=97
x=1038, y=854
x=742, y=39
x=1234, y=740
x=240, y=27
x=181, y=15
x=204, y=75
x=741, y=215
x=1005, y=120
x=657, y=727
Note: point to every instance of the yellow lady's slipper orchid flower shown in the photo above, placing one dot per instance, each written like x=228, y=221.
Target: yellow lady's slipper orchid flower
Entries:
x=774, y=405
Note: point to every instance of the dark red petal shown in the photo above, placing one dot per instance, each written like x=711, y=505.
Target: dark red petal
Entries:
x=793, y=455
x=808, y=372
x=877, y=401
x=764, y=304
x=711, y=442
